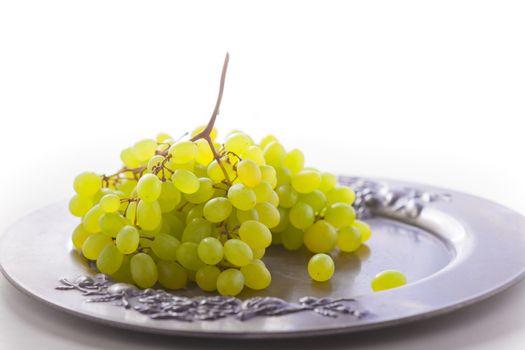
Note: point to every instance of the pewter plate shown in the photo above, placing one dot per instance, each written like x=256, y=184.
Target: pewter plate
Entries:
x=454, y=248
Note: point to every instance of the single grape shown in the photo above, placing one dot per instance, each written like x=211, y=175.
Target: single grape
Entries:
x=294, y=161
x=206, y=278
x=176, y=225
x=237, y=252
x=109, y=259
x=267, y=140
x=197, y=212
x=274, y=200
x=263, y=192
x=143, y=270
x=172, y=275
x=128, y=158
x=123, y=274
x=340, y=215
x=130, y=213
x=203, y=194
x=284, y=176
x=255, y=234
x=165, y=246
x=183, y=152
x=128, y=239
x=216, y=173
x=284, y=222
x=149, y=215
x=364, y=229
x=163, y=137
x=321, y=267
x=126, y=186
x=301, y=215
x=258, y=253
x=340, y=194
x=169, y=197
x=111, y=223
x=210, y=251
x=268, y=214
x=79, y=236
x=204, y=153
x=149, y=188
x=249, y=173
x=188, y=257
x=242, y=197
x=292, y=238
x=230, y=282
x=316, y=199
x=144, y=149
x=91, y=219
x=328, y=182
x=255, y=154
x=185, y=181
x=274, y=154
x=321, y=237
x=196, y=230
x=80, y=205
x=94, y=244
x=87, y=184
x=244, y=215
x=256, y=275
x=110, y=203
x=387, y=280
x=154, y=163
x=237, y=143
x=348, y=239
x=217, y=209
x=287, y=195
x=306, y=181
x=269, y=175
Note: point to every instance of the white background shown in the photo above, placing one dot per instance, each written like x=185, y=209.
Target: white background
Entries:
x=428, y=91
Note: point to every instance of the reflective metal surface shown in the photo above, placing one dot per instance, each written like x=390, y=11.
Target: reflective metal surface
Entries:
x=453, y=253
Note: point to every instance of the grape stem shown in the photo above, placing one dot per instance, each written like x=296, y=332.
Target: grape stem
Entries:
x=205, y=134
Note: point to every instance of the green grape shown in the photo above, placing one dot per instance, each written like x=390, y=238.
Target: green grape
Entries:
x=149, y=188
x=111, y=223
x=237, y=143
x=79, y=236
x=274, y=154
x=249, y=173
x=277, y=238
x=284, y=176
x=255, y=234
x=340, y=215
x=183, y=152
x=109, y=259
x=301, y=215
x=154, y=163
x=200, y=170
x=268, y=214
x=387, y=280
x=169, y=197
x=188, y=256
x=176, y=225
x=143, y=270
x=196, y=230
x=204, y=153
x=190, y=166
x=348, y=239
x=255, y=154
x=340, y=194
x=242, y=197
x=292, y=238
x=144, y=149
x=321, y=237
x=165, y=246
x=213, y=132
x=263, y=192
x=80, y=205
x=238, y=252
x=216, y=173
x=230, y=282
x=110, y=203
x=364, y=229
x=269, y=175
x=244, y=215
x=316, y=199
x=145, y=241
x=206, y=278
x=294, y=161
x=258, y=253
x=328, y=182
x=203, y=194
x=91, y=219
x=128, y=158
x=274, y=199
x=321, y=267
x=287, y=195
x=210, y=251
x=196, y=212
x=256, y=275
x=217, y=209
x=149, y=215
x=172, y=275
x=306, y=181
x=267, y=140
x=101, y=193
x=185, y=181
x=284, y=222
x=128, y=239
x=94, y=244
x=126, y=187
x=163, y=137
x=87, y=184
x=130, y=212
x=123, y=274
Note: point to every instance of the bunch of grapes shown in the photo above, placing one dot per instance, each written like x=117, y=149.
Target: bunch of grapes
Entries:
x=200, y=211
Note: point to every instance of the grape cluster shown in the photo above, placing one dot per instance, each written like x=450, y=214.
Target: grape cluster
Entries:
x=196, y=210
